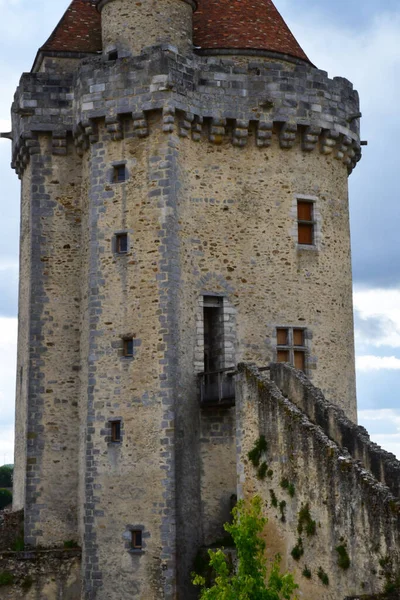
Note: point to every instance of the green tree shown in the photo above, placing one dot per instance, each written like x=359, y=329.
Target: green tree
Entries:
x=6, y=472
x=5, y=498
x=249, y=580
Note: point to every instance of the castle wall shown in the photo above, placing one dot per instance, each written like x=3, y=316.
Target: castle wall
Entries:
x=52, y=397
x=128, y=485
x=350, y=509
x=21, y=404
x=238, y=234
x=41, y=574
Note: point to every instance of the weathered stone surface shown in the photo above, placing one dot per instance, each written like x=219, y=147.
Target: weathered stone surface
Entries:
x=347, y=507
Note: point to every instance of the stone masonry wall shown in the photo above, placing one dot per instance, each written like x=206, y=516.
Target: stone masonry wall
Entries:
x=314, y=484
x=129, y=28
x=355, y=439
x=50, y=321
x=40, y=575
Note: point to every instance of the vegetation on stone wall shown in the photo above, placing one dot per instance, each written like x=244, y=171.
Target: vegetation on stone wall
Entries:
x=249, y=579
x=6, y=578
x=6, y=474
x=5, y=498
x=287, y=485
x=305, y=522
x=343, y=557
x=323, y=576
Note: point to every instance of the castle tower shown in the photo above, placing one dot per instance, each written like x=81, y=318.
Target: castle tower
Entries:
x=184, y=208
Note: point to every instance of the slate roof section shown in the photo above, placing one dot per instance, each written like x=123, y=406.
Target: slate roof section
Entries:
x=218, y=25
x=243, y=25
x=78, y=31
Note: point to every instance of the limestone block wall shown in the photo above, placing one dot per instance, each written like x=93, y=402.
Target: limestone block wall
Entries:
x=47, y=395
x=131, y=484
x=218, y=470
x=317, y=497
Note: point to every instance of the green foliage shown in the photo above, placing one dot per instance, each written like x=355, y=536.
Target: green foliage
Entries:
x=274, y=499
x=262, y=471
x=248, y=580
x=19, y=544
x=270, y=473
x=71, y=544
x=286, y=485
x=6, y=473
x=323, y=576
x=306, y=573
x=6, y=578
x=298, y=551
x=305, y=522
x=255, y=454
x=343, y=558
x=5, y=498
x=27, y=583
x=282, y=508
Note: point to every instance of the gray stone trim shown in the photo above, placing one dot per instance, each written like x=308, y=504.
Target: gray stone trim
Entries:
x=299, y=106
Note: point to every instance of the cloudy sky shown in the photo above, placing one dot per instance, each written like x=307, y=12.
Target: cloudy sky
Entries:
x=357, y=39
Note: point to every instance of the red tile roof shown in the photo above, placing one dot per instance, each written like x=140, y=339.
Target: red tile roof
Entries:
x=78, y=31
x=243, y=24
x=218, y=24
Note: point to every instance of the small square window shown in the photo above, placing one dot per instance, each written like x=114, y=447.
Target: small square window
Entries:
x=115, y=431
x=290, y=346
x=121, y=243
x=128, y=347
x=113, y=55
x=136, y=539
x=305, y=222
x=119, y=174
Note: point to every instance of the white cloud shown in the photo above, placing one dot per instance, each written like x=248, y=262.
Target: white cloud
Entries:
x=377, y=363
x=381, y=424
x=8, y=352
x=383, y=305
x=6, y=445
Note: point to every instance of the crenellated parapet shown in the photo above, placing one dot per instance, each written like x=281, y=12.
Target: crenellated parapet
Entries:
x=200, y=97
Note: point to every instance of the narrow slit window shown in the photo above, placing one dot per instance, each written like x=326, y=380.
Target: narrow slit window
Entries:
x=291, y=346
x=121, y=245
x=305, y=222
x=136, y=539
x=128, y=347
x=115, y=431
x=119, y=174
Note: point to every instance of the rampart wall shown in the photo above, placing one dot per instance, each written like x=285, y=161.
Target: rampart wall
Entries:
x=335, y=525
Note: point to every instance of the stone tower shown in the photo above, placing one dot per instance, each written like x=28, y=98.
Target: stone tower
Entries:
x=184, y=174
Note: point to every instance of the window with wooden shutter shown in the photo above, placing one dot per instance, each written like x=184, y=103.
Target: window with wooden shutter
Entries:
x=305, y=222
x=291, y=346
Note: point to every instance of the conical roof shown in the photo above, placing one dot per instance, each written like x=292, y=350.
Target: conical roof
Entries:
x=78, y=31
x=243, y=25
x=218, y=25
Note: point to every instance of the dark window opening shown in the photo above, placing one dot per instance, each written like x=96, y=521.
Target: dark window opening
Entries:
x=213, y=334
x=305, y=222
x=128, y=347
x=290, y=347
x=121, y=246
x=136, y=539
x=113, y=55
x=115, y=431
x=119, y=174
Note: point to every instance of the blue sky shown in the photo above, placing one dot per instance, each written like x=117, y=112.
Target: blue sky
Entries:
x=357, y=39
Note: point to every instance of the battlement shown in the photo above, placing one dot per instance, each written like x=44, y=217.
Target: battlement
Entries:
x=219, y=99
